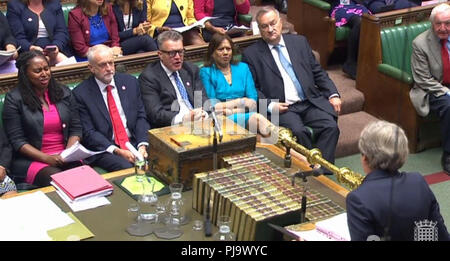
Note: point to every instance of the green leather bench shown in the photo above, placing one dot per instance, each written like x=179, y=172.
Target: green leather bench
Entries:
x=396, y=44
x=392, y=81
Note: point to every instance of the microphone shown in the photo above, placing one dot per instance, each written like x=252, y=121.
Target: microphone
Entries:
x=217, y=124
x=304, y=174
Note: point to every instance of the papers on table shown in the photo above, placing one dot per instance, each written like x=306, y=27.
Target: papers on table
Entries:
x=332, y=229
x=82, y=188
x=199, y=23
x=30, y=216
x=77, y=152
x=83, y=204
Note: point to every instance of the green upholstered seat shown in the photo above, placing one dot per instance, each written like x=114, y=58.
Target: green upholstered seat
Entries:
x=66, y=9
x=342, y=33
x=319, y=3
x=396, y=45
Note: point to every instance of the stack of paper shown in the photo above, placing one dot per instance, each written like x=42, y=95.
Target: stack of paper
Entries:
x=332, y=229
x=77, y=152
x=82, y=188
x=199, y=23
x=30, y=216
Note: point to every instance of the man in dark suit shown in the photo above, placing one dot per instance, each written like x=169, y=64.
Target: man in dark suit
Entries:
x=172, y=89
x=285, y=71
x=111, y=112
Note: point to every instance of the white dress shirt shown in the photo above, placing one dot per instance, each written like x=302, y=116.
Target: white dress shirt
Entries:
x=183, y=107
x=102, y=86
x=290, y=92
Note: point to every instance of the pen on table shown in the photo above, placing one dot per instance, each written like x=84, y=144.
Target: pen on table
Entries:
x=176, y=142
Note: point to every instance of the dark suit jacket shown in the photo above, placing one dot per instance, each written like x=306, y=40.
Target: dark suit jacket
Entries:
x=315, y=82
x=79, y=30
x=368, y=206
x=23, y=126
x=5, y=150
x=159, y=94
x=25, y=24
x=94, y=115
x=6, y=36
x=139, y=16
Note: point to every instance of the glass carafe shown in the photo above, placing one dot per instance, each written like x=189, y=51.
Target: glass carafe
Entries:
x=224, y=233
x=175, y=208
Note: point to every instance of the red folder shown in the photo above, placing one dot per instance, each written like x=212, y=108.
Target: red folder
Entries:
x=81, y=181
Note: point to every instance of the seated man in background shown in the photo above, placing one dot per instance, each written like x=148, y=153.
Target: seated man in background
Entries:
x=389, y=203
x=286, y=72
x=430, y=68
x=111, y=112
x=171, y=88
x=7, y=186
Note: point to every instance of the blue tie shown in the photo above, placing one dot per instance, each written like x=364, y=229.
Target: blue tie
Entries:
x=290, y=71
x=182, y=90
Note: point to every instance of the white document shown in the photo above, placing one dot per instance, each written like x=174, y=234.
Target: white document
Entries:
x=237, y=29
x=332, y=229
x=77, y=152
x=255, y=28
x=70, y=60
x=134, y=151
x=30, y=216
x=88, y=203
x=199, y=23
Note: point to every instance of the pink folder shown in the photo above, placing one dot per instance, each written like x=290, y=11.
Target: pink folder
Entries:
x=81, y=181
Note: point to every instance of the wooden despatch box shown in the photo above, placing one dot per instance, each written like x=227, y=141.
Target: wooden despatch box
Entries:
x=178, y=152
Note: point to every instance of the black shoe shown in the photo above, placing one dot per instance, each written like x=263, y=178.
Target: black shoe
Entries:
x=445, y=161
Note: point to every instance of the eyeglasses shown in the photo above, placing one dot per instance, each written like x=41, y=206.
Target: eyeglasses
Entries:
x=265, y=27
x=174, y=53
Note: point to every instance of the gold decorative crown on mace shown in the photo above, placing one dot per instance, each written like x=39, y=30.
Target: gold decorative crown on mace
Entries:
x=344, y=175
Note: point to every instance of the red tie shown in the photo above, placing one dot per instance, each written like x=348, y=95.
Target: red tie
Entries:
x=120, y=134
x=445, y=63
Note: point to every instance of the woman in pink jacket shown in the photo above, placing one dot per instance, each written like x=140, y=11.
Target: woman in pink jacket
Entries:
x=226, y=12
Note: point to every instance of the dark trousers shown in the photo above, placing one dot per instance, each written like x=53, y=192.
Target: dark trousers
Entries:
x=441, y=106
x=324, y=125
x=109, y=162
x=350, y=64
x=138, y=44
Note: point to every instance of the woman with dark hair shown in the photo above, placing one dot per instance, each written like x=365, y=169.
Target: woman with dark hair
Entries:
x=40, y=25
x=93, y=22
x=163, y=15
x=229, y=84
x=41, y=119
x=226, y=12
x=131, y=16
